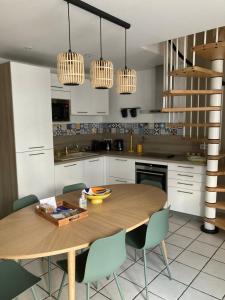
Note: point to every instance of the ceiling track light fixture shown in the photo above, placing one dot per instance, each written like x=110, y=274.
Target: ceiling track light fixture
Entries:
x=101, y=71
x=70, y=65
x=126, y=78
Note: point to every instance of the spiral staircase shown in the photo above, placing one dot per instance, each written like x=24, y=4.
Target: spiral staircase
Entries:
x=201, y=110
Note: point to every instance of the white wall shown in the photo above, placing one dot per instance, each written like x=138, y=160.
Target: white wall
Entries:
x=144, y=98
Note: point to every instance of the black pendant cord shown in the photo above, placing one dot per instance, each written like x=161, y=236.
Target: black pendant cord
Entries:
x=101, y=39
x=125, y=58
x=69, y=25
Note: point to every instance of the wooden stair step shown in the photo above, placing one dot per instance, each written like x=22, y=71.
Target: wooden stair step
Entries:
x=189, y=109
x=201, y=140
x=191, y=92
x=172, y=125
x=219, y=189
x=195, y=71
x=218, y=222
x=217, y=173
x=210, y=51
x=216, y=157
x=219, y=204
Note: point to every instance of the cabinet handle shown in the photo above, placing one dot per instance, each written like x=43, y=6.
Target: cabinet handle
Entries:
x=34, y=154
x=186, y=167
x=93, y=160
x=82, y=112
x=57, y=87
x=124, y=181
x=101, y=112
x=70, y=165
x=119, y=159
x=190, y=176
x=190, y=184
x=184, y=192
x=38, y=147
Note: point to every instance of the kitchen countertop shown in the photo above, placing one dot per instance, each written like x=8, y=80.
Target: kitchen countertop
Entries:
x=139, y=156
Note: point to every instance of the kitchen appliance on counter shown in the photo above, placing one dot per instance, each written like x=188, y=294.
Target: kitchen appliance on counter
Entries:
x=151, y=174
x=60, y=110
x=108, y=145
x=98, y=145
x=118, y=145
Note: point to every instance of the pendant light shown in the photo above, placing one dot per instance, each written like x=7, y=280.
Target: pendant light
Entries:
x=126, y=78
x=70, y=65
x=101, y=71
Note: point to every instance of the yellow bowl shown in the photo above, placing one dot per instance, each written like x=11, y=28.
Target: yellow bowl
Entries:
x=97, y=199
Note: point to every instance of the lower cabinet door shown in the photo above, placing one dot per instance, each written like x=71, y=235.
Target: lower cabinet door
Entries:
x=68, y=173
x=35, y=173
x=94, y=171
x=186, y=201
x=115, y=180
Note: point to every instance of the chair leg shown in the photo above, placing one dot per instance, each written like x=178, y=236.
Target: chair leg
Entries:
x=34, y=293
x=118, y=286
x=135, y=255
x=49, y=277
x=88, y=291
x=95, y=284
x=145, y=273
x=108, y=277
x=164, y=254
x=61, y=286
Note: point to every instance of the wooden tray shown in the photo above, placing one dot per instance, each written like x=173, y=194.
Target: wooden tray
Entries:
x=82, y=213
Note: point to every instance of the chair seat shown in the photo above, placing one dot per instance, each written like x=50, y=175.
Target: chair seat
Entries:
x=80, y=265
x=136, y=237
x=14, y=279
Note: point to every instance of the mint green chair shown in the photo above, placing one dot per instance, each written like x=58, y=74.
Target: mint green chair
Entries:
x=73, y=187
x=25, y=201
x=101, y=260
x=150, y=236
x=14, y=280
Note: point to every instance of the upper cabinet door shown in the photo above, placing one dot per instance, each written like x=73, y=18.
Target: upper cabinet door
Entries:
x=56, y=85
x=88, y=101
x=31, y=96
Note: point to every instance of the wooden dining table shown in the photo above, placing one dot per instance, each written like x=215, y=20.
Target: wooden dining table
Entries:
x=26, y=235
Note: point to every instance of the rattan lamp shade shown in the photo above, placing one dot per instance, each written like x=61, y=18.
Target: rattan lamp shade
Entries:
x=70, y=68
x=101, y=74
x=126, y=81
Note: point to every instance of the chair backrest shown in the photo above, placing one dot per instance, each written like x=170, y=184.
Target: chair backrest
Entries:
x=105, y=256
x=157, y=228
x=25, y=201
x=73, y=187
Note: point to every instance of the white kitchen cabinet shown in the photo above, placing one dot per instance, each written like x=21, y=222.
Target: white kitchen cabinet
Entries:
x=87, y=101
x=56, y=85
x=187, y=168
x=114, y=180
x=94, y=171
x=35, y=173
x=31, y=97
x=123, y=168
x=68, y=173
x=60, y=94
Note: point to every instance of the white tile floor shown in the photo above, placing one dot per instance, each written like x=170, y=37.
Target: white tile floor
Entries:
x=197, y=263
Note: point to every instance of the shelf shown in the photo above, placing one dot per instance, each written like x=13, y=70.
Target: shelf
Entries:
x=193, y=125
x=211, y=51
x=195, y=71
x=218, y=222
x=217, y=173
x=191, y=92
x=219, y=189
x=201, y=140
x=191, y=109
x=216, y=157
x=219, y=205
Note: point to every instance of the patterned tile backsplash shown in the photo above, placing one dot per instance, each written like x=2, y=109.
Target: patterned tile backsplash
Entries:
x=115, y=128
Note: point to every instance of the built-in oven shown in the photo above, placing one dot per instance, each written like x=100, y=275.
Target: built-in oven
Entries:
x=151, y=174
x=60, y=110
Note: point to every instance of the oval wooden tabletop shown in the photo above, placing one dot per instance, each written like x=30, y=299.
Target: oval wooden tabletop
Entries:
x=24, y=234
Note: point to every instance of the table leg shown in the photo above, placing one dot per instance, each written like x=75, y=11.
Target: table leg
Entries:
x=71, y=275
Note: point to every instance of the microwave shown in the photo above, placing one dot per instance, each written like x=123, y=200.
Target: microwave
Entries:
x=60, y=110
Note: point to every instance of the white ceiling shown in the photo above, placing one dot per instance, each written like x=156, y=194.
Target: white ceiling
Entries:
x=42, y=25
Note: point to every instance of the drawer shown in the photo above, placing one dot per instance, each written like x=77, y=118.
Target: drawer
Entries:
x=187, y=168
x=190, y=185
x=186, y=201
x=184, y=176
x=114, y=180
x=122, y=168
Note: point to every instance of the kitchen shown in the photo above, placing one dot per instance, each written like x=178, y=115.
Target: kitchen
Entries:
x=58, y=134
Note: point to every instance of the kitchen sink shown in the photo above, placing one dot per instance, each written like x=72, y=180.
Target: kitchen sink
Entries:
x=75, y=155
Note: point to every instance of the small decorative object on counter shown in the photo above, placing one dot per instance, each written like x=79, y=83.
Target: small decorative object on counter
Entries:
x=139, y=148
x=83, y=201
x=131, y=149
x=97, y=194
